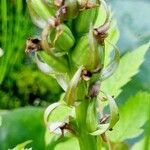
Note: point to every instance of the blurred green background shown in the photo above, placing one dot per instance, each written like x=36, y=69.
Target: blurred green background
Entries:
x=22, y=84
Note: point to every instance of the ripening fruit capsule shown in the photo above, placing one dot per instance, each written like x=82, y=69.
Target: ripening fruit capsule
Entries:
x=61, y=38
x=88, y=53
x=84, y=19
x=41, y=10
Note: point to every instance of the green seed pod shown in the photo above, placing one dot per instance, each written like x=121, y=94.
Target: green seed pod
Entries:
x=85, y=18
x=61, y=38
x=59, y=65
x=88, y=53
x=41, y=10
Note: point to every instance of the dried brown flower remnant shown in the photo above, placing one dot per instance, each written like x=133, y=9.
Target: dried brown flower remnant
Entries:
x=94, y=90
x=33, y=45
x=100, y=33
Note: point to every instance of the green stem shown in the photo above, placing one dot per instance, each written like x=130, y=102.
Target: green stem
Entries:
x=86, y=141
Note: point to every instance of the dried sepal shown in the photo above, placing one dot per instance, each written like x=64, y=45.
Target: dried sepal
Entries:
x=46, y=45
x=113, y=118
x=86, y=4
x=101, y=32
x=94, y=90
x=58, y=127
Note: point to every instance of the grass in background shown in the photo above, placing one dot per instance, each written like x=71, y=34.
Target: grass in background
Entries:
x=14, y=29
x=20, y=84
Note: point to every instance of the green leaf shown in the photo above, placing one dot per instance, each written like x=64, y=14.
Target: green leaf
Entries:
x=54, y=142
x=128, y=67
x=22, y=146
x=133, y=116
x=70, y=144
x=21, y=125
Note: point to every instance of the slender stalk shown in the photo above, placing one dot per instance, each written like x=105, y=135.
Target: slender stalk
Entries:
x=86, y=141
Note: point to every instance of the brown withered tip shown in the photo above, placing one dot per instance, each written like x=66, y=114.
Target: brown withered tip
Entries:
x=100, y=37
x=94, y=90
x=91, y=5
x=104, y=119
x=61, y=12
x=104, y=138
x=88, y=5
x=53, y=22
x=86, y=75
x=33, y=45
x=98, y=69
x=66, y=126
x=100, y=33
x=104, y=28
